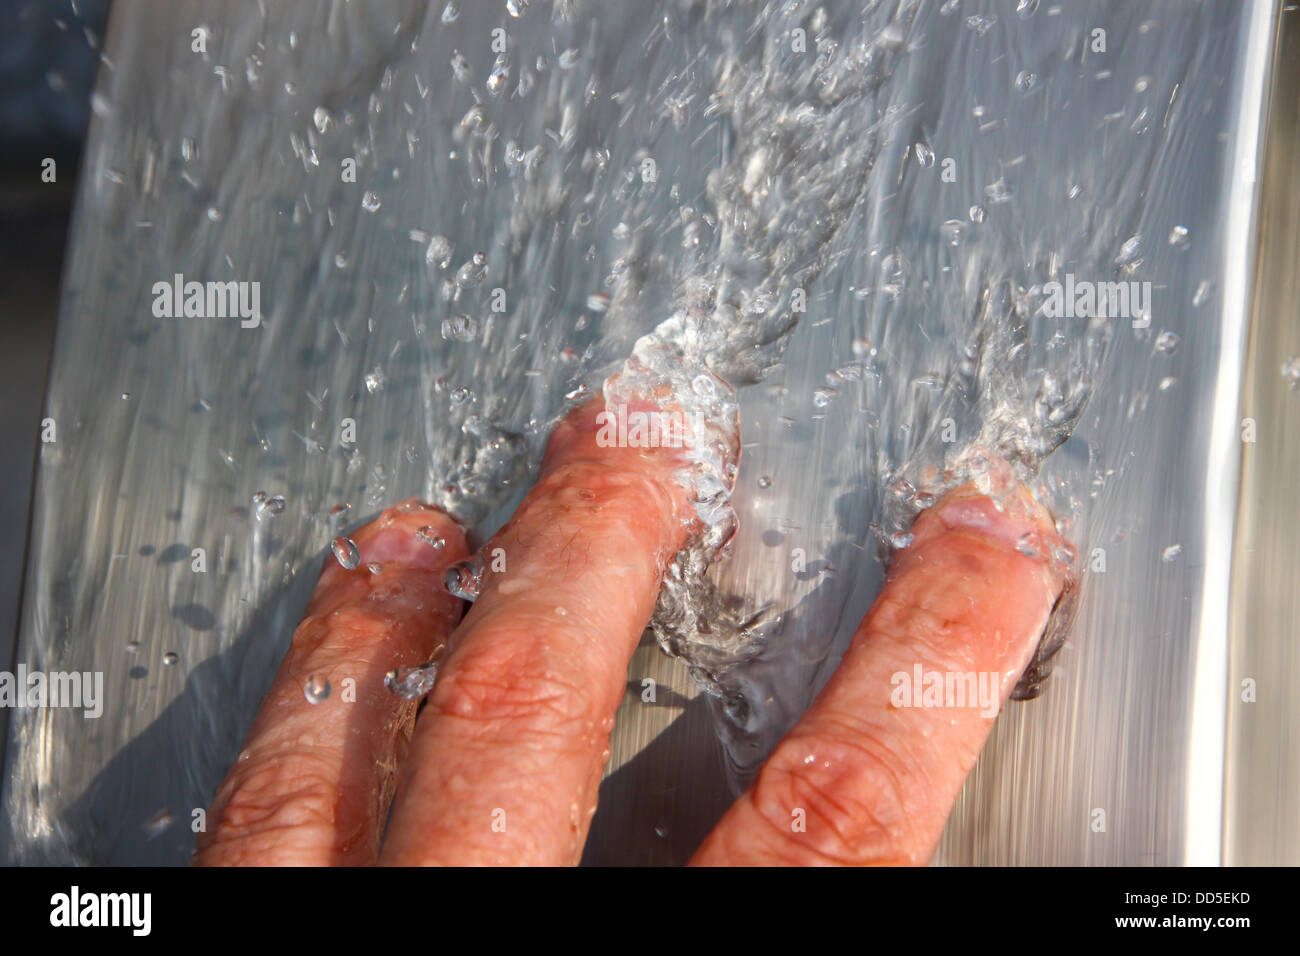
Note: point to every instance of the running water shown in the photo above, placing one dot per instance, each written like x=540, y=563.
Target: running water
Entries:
x=841, y=225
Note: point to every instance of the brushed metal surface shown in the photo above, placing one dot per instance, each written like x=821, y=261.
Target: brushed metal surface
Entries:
x=1262, y=786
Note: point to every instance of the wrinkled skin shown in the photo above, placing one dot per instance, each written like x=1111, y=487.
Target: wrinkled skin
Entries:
x=503, y=764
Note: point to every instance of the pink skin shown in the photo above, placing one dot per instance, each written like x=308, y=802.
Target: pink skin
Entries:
x=872, y=783
x=507, y=756
x=313, y=783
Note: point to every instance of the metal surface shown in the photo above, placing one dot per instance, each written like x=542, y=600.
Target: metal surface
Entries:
x=1262, y=786
x=1158, y=132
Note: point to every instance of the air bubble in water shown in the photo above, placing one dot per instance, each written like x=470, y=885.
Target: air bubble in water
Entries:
x=1167, y=343
x=1180, y=237
x=765, y=482
x=370, y=202
x=980, y=24
x=1171, y=553
x=376, y=380
x=461, y=396
x=429, y=535
x=1025, y=81
x=346, y=552
x=170, y=659
x=316, y=689
x=901, y=539
x=412, y=683
x=1026, y=8
x=977, y=214
x=450, y=12
x=568, y=59
x=951, y=231
x=823, y=396
x=924, y=155
x=464, y=578
x=702, y=385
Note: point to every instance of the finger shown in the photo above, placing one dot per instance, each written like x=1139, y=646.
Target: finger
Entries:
x=871, y=771
x=507, y=755
x=314, y=781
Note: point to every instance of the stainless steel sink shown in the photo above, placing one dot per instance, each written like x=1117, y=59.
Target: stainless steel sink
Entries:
x=222, y=164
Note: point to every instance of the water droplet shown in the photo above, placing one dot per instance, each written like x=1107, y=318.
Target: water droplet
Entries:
x=702, y=385
x=499, y=76
x=464, y=578
x=1180, y=237
x=1026, y=8
x=582, y=391
x=980, y=24
x=461, y=396
x=661, y=831
x=764, y=482
x=370, y=202
x=598, y=302
x=1291, y=372
x=901, y=539
x=439, y=252
x=1171, y=553
x=266, y=507
x=977, y=214
x=459, y=328
x=1167, y=343
x=924, y=155
x=412, y=683
x=1167, y=383
x=450, y=12
x=1130, y=253
x=459, y=66
x=316, y=689
x=823, y=396
x=170, y=659
x=998, y=192
x=429, y=535
x=1027, y=546
x=341, y=260
x=321, y=117
x=132, y=647
x=375, y=567
x=346, y=552
x=951, y=231
x=376, y=380
x=569, y=59
x=1025, y=81
x=863, y=349
x=1202, y=293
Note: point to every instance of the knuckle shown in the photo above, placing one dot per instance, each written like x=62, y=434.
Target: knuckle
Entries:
x=519, y=688
x=279, y=803
x=853, y=799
